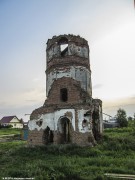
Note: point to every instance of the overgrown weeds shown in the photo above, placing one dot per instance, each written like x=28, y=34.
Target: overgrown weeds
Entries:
x=113, y=154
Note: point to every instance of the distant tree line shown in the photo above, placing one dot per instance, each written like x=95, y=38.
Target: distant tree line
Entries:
x=122, y=118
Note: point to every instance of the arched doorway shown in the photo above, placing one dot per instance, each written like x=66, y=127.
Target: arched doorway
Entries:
x=64, y=129
x=47, y=136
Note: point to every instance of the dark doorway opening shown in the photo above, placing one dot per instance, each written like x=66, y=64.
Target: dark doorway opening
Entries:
x=65, y=130
x=48, y=136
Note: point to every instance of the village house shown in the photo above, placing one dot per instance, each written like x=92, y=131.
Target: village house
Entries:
x=11, y=120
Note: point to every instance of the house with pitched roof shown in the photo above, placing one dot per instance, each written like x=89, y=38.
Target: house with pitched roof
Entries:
x=11, y=120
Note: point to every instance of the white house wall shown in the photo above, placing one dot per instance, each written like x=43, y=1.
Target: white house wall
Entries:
x=15, y=125
x=19, y=126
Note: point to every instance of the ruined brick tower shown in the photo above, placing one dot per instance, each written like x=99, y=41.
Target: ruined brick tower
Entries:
x=69, y=114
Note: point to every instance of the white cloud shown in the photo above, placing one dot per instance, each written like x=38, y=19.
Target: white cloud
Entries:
x=127, y=103
x=34, y=96
x=36, y=79
x=113, y=62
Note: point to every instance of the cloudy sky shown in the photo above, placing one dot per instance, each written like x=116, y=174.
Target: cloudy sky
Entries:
x=25, y=27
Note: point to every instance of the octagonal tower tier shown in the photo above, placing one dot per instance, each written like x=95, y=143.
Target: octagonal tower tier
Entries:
x=68, y=56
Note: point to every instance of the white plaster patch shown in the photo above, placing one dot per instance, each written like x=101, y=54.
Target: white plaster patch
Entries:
x=55, y=51
x=51, y=120
x=78, y=73
x=78, y=50
x=80, y=120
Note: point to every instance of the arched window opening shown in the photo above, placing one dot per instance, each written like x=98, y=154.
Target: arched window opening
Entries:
x=63, y=42
x=39, y=123
x=63, y=95
x=84, y=123
x=63, y=47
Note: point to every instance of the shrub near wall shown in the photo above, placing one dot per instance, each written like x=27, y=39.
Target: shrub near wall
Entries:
x=7, y=126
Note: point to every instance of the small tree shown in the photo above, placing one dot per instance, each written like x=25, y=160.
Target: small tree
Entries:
x=134, y=124
x=130, y=121
x=122, y=118
x=134, y=116
x=130, y=118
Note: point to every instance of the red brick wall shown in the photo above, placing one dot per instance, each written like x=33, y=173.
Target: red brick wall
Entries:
x=67, y=61
x=75, y=92
x=35, y=137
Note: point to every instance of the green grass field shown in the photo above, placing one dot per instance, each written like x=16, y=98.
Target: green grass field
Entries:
x=8, y=131
x=115, y=153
